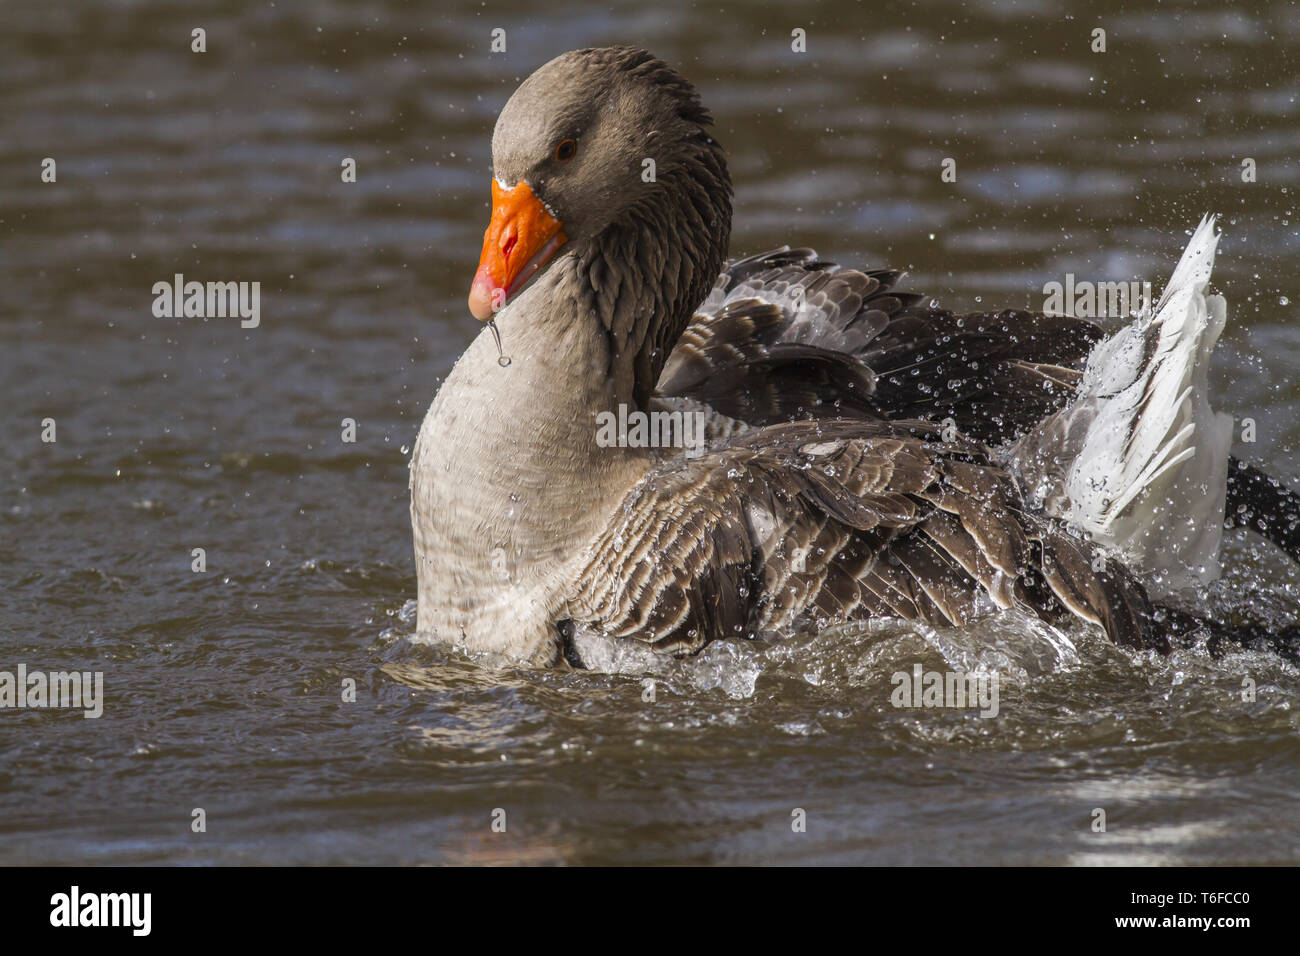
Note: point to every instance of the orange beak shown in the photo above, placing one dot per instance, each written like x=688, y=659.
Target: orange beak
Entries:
x=520, y=239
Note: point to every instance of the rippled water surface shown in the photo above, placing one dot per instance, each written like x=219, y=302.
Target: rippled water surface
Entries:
x=223, y=688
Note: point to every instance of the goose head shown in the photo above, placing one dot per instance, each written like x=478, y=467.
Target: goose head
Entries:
x=604, y=154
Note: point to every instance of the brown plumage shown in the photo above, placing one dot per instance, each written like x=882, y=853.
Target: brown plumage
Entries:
x=786, y=335
x=820, y=522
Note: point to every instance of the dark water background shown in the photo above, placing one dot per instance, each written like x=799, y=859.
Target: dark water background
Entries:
x=224, y=688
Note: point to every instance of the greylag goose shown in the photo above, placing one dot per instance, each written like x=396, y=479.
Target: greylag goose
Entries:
x=856, y=451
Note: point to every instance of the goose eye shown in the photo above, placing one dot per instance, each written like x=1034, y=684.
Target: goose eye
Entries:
x=566, y=151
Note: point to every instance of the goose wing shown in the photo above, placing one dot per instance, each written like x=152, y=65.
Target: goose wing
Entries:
x=818, y=522
x=785, y=336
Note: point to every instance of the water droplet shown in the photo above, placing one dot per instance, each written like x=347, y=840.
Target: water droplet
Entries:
x=502, y=359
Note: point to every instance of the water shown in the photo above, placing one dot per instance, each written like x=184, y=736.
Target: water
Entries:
x=502, y=359
x=225, y=688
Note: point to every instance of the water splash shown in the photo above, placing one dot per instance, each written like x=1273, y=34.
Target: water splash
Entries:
x=502, y=359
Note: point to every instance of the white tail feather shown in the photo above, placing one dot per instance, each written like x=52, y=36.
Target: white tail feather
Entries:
x=1139, y=456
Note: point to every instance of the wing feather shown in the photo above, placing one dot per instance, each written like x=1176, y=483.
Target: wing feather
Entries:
x=786, y=336
x=818, y=522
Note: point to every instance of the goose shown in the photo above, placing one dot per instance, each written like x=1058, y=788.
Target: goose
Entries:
x=825, y=446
